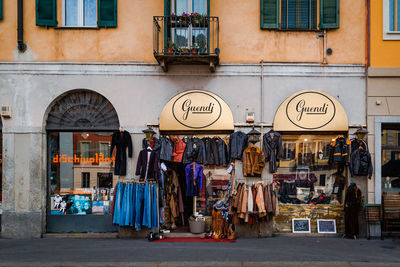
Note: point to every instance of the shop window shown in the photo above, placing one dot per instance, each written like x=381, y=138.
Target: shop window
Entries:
x=72, y=160
x=1, y=171
x=391, y=19
x=305, y=175
x=299, y=14
x=85, y=179
x=390, y=158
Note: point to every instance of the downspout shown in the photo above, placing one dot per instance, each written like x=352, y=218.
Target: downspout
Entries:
x=262, y=102
x=20, y=29
x=325, y=47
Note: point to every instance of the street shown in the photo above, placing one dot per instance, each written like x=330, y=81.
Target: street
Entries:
x=277, y=251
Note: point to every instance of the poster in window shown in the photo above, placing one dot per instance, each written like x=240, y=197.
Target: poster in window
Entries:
x=326, y=226
x=301, y=225
x=80, y=205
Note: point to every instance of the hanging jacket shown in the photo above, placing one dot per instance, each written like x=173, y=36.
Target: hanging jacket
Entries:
x=121, y=141
x=188, y=153
x=155, y=144
x=260, y=200
x=253, y=161
x=356, y=143
x=194, y=179
x=166, y=148
x=340, y=151
x=147, y=168
x=360, y=163
x=178, y=149
x=199, y=150
x=273, y=149
x=238, y=141
x=211, y=151
x=222, y=151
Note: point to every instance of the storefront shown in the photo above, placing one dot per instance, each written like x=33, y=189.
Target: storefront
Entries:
x=1, y=170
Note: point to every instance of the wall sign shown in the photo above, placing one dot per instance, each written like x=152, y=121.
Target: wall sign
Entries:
x=310, y=111
x=326, y=226
x=196, y=110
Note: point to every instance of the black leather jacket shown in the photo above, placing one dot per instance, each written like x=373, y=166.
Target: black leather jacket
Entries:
x=273, y=149
x=211, y=151
x=166, y=148
x=195, y=151
x=238, y=142
x=222, y=151
x=360, y=163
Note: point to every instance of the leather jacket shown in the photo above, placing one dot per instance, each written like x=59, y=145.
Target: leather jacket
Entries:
x=253, y=161
x=211, y=151
x=166, y=148
x=360, y=163
x=340, y=151
x=238, y=141
x=273, y=149
x=195, y=151
x=222, y=151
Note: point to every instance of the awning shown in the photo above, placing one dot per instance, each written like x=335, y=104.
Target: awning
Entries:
x=196, y=110
x=311, y=111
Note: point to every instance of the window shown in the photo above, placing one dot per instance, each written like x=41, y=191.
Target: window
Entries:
x=391, y=19
x=304, y=174
x=298, y=14
x=79, y=13
x=85, y=150
x=193, y=35
x=390, y=158
x=85, y=179
x=105, y=149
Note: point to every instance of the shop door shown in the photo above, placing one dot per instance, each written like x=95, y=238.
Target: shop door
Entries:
x=80, y=177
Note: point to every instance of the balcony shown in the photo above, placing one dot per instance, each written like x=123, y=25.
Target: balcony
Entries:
x=186, y=40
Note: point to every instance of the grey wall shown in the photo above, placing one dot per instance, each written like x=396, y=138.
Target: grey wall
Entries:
x=138, y=93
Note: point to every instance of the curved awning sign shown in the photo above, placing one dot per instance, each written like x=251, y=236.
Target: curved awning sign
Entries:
x=311, y=111
x=196, y=110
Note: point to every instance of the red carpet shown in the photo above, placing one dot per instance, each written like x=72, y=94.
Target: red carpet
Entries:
x=192, y=239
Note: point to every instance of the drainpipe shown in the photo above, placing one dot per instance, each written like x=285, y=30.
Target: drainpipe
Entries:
x=262, y=102
x=325, y=47
x=20, y=29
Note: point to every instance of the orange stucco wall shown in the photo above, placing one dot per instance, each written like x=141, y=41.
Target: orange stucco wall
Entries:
x=241, y=39
x=383, y=53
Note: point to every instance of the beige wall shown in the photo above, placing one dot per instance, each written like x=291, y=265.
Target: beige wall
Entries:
x=241, y=39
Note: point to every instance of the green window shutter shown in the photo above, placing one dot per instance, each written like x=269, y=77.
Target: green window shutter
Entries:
x=329, y=14
x=269, y=14
x=46, y=13
x=167, y=7
x=107, y=13
x=1, y=9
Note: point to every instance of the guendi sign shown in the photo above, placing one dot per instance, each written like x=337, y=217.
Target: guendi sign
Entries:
x=196, y=110
x=310, y=110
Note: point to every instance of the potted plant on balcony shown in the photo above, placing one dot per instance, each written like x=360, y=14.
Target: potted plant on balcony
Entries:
x=198, y=20
x=202, y=47
x=172, y=20
x=195, y=50
x=170, y=47
x=184, y=19
x=184, y=51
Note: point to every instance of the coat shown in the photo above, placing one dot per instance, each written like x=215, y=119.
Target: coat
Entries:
x=243, y=204
x=260, y=200
x=340, y=151
x=155, y=144
x=178, y=149
x=273, y=149
x=199, y=151
x=267, y=199
x=222, y=151
x=166, y=148
x=352, y=204
x=121, y=141
x=211, y=151
x=188, y=153
x=253, y=161
x=194, y=179
x=360, y=163
x=238, y=141
x=141, y=167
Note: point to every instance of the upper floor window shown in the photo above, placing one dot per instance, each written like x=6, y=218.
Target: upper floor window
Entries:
x=79, y=13
x=299, y=14
x=391, y=19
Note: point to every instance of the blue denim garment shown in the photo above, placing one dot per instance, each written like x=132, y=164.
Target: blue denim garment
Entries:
x=147, y=206
x=154, y=206
x=194, y=181
x=118, y=203
x=139, y=206
x=125, y=207
x=132, y=212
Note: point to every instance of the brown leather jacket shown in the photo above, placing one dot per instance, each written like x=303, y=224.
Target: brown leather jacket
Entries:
x=253, y=161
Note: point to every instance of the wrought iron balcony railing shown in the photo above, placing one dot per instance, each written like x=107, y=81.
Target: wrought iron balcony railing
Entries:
x=186, y=40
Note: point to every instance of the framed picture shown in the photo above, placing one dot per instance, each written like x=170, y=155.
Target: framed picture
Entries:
x=326, y=226
x=300, y=225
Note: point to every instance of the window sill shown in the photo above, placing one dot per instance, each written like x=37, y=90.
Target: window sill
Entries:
x=299, y=30
x=76, y=28
x=391, y=36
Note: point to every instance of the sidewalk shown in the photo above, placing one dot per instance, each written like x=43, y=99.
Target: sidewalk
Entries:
x=278, y=251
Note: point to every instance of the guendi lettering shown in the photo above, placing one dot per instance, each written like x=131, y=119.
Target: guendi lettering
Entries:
x=302, y=109
x=188, y=108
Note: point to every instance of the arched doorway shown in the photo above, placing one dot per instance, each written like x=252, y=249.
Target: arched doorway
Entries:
x=79, y=129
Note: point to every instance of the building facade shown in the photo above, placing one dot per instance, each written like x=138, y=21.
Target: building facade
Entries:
x=383, y=90
x=80, y=70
